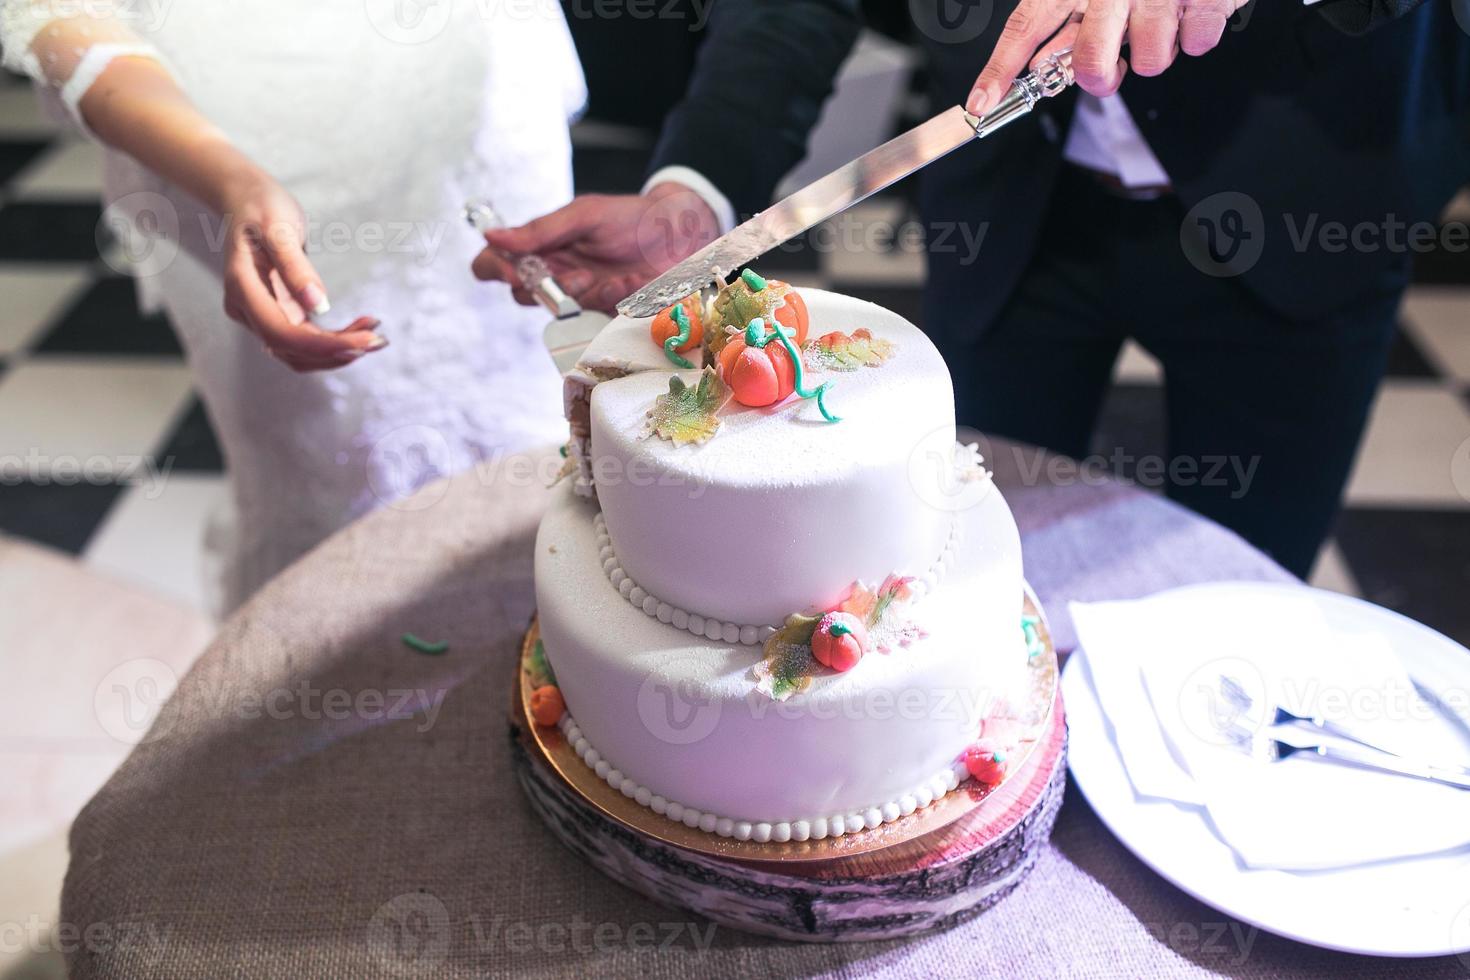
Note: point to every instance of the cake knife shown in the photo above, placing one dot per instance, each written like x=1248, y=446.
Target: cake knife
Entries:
x=571, y=328
x=847, y=185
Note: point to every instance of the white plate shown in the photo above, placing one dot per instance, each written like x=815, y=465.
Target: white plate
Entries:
x=1417, y=907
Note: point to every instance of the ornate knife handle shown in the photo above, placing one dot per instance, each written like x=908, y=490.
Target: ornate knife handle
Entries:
x=533, y=273
x=1049, y=78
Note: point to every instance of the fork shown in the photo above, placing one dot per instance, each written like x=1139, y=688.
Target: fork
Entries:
x=1271, y=748
x=1236, y=694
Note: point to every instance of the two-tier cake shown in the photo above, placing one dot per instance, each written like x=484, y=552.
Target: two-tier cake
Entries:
x=778, y=601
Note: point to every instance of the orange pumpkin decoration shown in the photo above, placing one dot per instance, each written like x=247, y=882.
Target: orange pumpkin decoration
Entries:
x=664, y=325
x=748, y=297
x=793, y=314
x=757, y=376
x=839, y=641
x=547, y=705
x=985, y=762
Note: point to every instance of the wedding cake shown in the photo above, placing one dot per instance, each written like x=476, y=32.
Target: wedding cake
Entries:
x=776, y=600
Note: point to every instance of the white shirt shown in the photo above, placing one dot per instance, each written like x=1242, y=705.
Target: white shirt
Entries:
x=1104, y=137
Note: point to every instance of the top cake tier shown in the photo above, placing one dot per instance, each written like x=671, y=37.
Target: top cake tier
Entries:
x=782, y=510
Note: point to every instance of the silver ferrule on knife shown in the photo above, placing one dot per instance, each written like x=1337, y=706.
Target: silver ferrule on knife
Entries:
x=531, y=270
x=1049, y=78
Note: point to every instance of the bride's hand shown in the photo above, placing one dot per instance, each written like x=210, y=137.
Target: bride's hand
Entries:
x=271, y=287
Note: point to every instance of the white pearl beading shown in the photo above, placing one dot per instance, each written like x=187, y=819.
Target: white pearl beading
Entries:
x=778, y=831
x=714, y=629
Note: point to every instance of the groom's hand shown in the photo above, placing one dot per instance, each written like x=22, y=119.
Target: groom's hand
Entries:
x=603, y=247
x=1096, y=30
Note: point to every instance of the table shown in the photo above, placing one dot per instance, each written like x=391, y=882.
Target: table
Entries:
x=317, y=800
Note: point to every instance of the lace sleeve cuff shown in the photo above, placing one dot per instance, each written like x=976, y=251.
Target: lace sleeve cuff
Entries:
x=89, y=69
x=65, y=52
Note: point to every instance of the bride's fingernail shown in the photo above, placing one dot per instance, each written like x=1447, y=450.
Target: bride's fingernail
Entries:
x=314, y=298
x=378, y=344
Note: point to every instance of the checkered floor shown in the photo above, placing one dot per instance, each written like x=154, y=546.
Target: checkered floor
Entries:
x=83, y=376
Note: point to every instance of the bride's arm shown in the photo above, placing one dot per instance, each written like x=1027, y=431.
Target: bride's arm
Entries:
x=118, y=89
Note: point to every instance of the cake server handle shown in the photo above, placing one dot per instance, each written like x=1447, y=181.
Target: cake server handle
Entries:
x=533, y=272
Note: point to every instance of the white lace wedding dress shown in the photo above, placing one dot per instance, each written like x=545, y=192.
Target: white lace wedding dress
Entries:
x=381, y=117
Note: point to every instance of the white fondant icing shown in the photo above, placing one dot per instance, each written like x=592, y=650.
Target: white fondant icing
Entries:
x=781, y=511
x=728, y=632
x=681, y=716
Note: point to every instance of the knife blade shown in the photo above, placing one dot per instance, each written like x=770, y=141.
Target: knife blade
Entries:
x=847, y=185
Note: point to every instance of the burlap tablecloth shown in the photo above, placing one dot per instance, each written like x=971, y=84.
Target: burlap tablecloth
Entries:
x=292, y=815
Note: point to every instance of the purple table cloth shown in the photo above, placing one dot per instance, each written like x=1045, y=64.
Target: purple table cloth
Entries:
x=316, y=800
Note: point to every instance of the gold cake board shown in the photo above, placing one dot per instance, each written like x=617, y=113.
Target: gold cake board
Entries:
x=944, y=862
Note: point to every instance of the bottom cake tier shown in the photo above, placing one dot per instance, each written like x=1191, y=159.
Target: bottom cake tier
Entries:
x=684, y=724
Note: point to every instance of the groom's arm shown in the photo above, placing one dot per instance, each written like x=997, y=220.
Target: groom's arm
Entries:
x=763, y=72
x=758, y=86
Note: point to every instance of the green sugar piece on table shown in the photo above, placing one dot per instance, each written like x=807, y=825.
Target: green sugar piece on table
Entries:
x=424, y=646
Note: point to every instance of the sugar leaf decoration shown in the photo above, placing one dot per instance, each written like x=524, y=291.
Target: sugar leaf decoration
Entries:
x=788, y=666
x=688, y=415
x=838, y=351
x=537, y=667
x=884, y=611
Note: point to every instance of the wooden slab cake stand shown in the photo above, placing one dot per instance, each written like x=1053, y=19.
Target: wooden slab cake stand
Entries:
x=924, y=872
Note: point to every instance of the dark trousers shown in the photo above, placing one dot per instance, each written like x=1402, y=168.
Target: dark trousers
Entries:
x=1264, y=414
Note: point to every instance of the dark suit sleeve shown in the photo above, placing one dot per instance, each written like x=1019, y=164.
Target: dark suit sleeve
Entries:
x=764, y=70
x=1361, y=16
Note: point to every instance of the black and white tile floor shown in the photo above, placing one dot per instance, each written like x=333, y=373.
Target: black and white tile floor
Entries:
x=83, y=375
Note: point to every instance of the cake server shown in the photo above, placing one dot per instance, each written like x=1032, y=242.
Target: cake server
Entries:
x=847, y=185
x=572, y=328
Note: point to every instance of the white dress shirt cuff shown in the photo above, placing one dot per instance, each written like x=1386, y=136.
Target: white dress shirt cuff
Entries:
x=699, y=184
